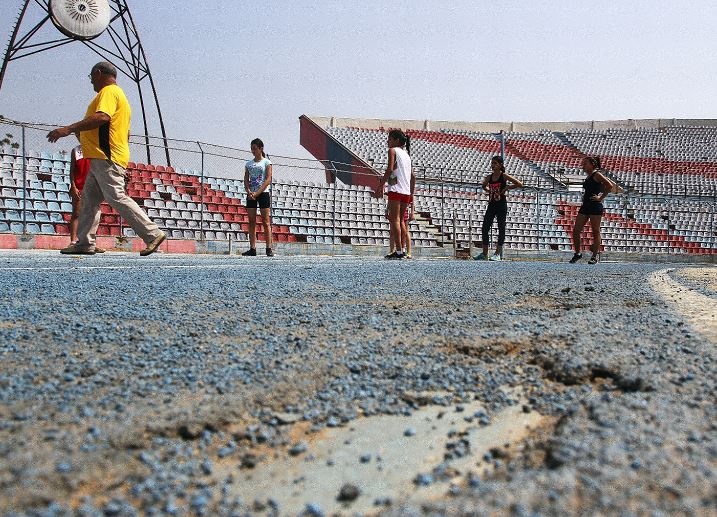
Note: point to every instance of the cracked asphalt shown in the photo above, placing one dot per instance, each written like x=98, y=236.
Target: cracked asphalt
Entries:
x=158, y=386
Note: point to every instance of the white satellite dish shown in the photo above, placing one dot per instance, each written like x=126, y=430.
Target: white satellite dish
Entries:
x=80, y=19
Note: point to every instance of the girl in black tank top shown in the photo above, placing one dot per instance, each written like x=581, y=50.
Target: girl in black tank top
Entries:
x=592, y=188
x=496, y=187
x=596, y=188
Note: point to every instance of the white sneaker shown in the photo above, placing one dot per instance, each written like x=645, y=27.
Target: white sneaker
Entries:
x=495, y=258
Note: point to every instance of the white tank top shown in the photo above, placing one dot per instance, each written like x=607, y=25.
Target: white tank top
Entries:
x=400, y=179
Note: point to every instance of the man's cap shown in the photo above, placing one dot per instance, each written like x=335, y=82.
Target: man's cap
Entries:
x=106, y=68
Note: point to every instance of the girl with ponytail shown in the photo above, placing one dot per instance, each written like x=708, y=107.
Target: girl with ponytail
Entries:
x=496, y=185
x=399, y=178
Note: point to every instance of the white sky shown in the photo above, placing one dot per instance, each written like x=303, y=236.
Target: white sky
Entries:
x=229, y=74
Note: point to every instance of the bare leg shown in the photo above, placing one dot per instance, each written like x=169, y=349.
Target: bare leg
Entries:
x=73, y=219
x=595, y=221
x=266, y=221
x=252, y=227
x=394, y=219
x=405, y=234
x=577, y=230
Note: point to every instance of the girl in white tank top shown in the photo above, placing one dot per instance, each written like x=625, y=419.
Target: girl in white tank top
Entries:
x=398, y=178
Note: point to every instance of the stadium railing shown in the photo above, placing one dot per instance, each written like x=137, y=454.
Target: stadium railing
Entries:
x=456, y=207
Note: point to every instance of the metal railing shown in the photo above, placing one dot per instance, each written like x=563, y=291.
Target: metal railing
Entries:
x=447, y=187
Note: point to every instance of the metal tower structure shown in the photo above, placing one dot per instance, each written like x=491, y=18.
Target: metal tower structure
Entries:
x=119, y=44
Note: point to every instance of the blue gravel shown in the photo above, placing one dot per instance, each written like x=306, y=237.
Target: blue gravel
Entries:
x=167, y=367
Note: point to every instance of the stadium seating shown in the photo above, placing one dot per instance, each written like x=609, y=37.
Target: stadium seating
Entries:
x=670, y=161
x=540, y=216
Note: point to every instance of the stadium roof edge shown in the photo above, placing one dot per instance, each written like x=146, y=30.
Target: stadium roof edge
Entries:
x=523, y=127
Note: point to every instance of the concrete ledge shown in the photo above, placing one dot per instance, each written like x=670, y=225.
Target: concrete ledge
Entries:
x=517, y=126
x=56, y=242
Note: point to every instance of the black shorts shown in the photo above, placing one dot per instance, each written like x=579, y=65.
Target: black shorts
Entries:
x=264, y=201
x=592, y=208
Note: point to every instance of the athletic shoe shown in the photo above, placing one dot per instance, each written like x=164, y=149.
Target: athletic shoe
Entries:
x=407, y=256
x=154, y=245
x=269, y=252
x=251, y=252
x=576, y=257
x=495, y=258
x=594, y=259
x=73, y=249
x=480, y=256
x=394, y=256
x=99, y=250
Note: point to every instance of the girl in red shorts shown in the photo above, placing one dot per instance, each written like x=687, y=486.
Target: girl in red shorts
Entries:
x=79, y=168
x=398, y=180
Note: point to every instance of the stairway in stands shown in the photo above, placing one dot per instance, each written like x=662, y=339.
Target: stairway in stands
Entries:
x=564, y=138
x=539, y=171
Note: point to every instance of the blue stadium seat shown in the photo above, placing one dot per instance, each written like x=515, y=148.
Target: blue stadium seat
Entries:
x=47, y=229
x=16, y=227
x=4, y=227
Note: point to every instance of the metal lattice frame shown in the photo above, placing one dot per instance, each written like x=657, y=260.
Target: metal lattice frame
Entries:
x=123, y=49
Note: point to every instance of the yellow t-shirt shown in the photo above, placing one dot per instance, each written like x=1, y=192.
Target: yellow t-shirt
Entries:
x=110, y=141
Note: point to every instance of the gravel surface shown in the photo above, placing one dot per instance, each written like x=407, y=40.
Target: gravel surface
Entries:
x=132, y=386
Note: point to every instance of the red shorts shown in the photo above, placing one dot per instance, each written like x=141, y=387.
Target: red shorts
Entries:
x=82, y=167
x=403, y=198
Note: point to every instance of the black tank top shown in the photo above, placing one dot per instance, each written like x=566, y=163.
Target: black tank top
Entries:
x=496, y=189
x=592, y=188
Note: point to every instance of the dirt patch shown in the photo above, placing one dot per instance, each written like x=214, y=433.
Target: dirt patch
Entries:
x=489, y=348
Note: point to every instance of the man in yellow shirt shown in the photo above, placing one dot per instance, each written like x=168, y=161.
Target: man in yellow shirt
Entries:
x=104, y=137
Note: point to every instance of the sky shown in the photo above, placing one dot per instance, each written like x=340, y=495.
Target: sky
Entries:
x=232, y=71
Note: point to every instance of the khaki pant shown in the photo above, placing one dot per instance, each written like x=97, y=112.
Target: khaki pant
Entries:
x=105, y=180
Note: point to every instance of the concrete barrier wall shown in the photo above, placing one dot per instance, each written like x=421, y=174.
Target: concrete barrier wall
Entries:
x=523, y=127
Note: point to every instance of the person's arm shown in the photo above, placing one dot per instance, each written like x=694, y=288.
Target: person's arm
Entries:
x=266, y=183
x=413, y=193
x=88, y=123
x=389, y=169
x=516, y=183
x=608, y=186
x=485, y=183
x=246, y=183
